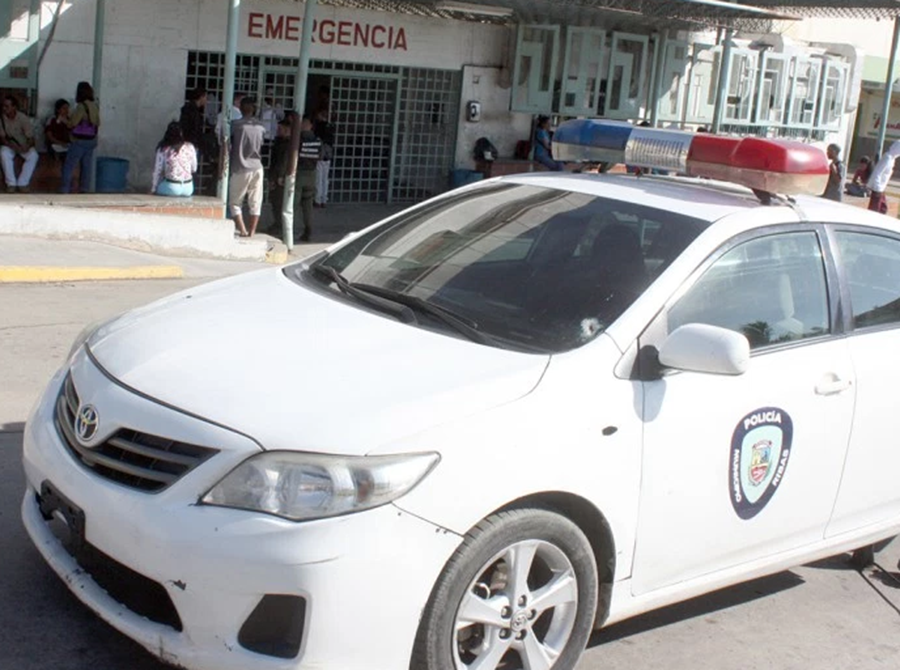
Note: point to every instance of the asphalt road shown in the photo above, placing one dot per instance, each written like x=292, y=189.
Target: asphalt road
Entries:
x=821, y=616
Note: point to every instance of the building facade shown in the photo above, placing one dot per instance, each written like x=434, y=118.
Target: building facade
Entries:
x=399, y=84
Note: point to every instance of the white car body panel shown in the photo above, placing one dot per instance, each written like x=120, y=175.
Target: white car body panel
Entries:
x=686, y=467
x=215, y=563
x=555, y=438
x=395, y=380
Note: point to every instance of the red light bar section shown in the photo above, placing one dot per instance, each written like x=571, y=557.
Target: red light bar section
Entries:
x=775, y=166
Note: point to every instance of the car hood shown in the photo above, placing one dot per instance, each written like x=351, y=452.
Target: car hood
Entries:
x=295, y=368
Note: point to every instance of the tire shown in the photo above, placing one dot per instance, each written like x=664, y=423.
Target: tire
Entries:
x=862, y=558
x=510, y=623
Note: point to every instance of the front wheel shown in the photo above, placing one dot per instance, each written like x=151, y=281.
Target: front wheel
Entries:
x=520, y=593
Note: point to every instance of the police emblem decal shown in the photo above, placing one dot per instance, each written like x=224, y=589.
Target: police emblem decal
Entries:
x=87, y=422
x=760, y=451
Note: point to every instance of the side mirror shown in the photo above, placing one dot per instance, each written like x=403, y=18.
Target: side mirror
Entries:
x=697, y=347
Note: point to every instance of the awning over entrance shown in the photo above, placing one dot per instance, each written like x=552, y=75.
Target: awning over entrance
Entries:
x=837, y=9
x=683, y=13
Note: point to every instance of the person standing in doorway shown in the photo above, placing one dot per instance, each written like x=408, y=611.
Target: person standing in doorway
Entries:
x=836, y=176
x=278, y=169
x=84, y=124
x=192, y=119
x=16, y=139
x=305, y=192
x=881, y=177
x=246, y=168
x=221, y=135
x=324, y=130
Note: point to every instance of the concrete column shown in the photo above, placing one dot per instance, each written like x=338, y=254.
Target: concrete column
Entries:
x=659, y=52
x=234, y=19
x=290, y=182
x=97, y=76
x=888, y=89
x=723, y=83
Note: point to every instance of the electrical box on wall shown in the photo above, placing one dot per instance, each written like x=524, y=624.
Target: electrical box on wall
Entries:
x=473, y=111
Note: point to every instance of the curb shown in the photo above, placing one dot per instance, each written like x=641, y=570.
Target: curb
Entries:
x=40, y=274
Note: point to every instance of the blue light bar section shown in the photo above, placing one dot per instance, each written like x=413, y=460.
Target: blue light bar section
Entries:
x=591, y=140
x=612, y=135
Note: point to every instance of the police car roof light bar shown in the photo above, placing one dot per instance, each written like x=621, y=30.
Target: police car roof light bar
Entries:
x=761, y=164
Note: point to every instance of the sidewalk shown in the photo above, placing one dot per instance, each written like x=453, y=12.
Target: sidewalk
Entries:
x=35, y=260
x=61, y=257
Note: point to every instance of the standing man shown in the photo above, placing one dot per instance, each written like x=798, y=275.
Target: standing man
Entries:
x=279, y=165
x=235, y=116
x=305, y=191
x=246, y=168
x=192, y=118
x=16, y=138
x=324, y=130
x=836, y=176
x=881, y=177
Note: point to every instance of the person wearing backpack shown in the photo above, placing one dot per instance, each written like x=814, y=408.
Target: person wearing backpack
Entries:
x=176, y=163
x=83, y=124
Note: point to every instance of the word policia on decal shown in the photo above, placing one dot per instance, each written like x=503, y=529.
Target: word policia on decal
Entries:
x=760, y=451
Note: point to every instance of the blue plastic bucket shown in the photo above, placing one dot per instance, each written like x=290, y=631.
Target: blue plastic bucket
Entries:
x=112, y=175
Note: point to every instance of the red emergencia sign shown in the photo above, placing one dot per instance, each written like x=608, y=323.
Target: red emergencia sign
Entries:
x=360, y=34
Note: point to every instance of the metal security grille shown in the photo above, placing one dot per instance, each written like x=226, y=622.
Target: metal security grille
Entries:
x=371, y=68
x=207, y=70
x=426, y=137
x=362, y=110
x=395, y=127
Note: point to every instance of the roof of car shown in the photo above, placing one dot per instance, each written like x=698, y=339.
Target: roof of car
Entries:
x=704, y=199
x=709, y=200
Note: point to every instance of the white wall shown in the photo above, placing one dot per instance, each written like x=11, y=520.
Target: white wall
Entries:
x=873, y=37
x=147, y=42
x=498, y=124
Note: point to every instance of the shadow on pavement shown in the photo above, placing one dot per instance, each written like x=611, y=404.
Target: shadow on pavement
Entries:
x=887, y=577
x=13, y=427
x=698, y=607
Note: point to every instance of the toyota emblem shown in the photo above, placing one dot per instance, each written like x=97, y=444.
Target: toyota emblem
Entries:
x=86, y=423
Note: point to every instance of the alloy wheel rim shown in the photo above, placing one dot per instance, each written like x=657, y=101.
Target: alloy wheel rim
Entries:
x=519, y=611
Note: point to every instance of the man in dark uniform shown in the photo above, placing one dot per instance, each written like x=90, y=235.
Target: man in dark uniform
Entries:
x=305, y=191
x=279, y=167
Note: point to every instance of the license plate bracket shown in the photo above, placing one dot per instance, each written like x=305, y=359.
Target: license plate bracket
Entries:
x=54, y=505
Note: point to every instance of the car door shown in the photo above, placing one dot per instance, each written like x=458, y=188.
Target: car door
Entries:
x=870, y=492
x=737, y=468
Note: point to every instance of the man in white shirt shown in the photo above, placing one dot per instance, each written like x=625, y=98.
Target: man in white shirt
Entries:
x=235, y=116
x=881, y=177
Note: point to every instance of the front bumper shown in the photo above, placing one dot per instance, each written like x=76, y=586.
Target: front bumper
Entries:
x=365, y=578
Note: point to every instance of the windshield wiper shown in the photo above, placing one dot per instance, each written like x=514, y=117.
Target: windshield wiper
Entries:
x=459, y=323
x=392, y=307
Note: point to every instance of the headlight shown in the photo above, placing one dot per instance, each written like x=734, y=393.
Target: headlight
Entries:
x=302, y=486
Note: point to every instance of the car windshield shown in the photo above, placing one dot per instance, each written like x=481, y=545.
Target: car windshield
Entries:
x=510, y=265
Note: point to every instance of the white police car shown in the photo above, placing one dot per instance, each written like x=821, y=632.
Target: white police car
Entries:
x=517, y=412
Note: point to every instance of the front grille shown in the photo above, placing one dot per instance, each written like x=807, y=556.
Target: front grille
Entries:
x=137, y=460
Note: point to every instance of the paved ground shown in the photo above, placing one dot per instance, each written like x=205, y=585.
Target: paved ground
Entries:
x=821, y=617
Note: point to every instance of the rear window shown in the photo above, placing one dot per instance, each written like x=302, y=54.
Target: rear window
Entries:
x=535, y=268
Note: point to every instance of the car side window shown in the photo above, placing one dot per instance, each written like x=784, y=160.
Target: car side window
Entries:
x=872, y=266
x=772, y=289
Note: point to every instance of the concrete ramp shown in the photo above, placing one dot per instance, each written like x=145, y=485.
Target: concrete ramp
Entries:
x=180, y=235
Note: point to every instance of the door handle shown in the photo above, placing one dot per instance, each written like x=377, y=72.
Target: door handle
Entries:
x=831, y=384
